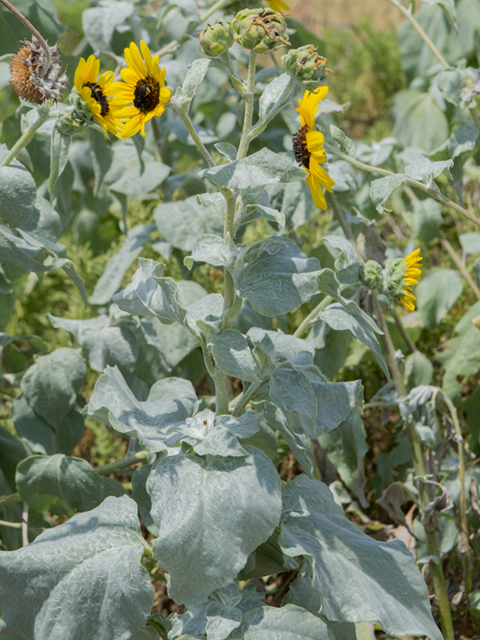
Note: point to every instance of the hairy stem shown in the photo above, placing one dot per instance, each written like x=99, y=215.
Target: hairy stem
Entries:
x=32, y=29
x=13, y=525
x=123, y=463
x=434, y=193
x=25, y=525
x=193, y=132
x=43, y=115
x=282, y=101
x=403, y=332
x=249, y=98
x=312, y=317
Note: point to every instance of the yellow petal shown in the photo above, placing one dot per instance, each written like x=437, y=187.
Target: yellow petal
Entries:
x=105, y=79
x=138, y=60
x=165, y=95
x=317, y=193
x=320, y=175
x=132, y=127
x=147, y=56
x=138, y=70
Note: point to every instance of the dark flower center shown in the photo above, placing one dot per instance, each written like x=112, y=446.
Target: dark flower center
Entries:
x=99, y=96
x=300, y=149
x=147, y=95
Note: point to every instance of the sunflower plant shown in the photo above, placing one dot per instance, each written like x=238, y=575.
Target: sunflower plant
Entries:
x=250, y=303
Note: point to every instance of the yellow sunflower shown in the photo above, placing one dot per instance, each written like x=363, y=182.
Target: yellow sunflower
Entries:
x=98, y=93
x=412, y=272
x=278, y=5
x=308, y=147
x=142, y=89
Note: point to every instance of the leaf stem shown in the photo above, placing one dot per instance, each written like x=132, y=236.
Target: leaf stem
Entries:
x=43, y=116
x=25, y=525
x=312, y=317
x=13, y=525
x=193, y=132
x=282, y=101
x=249, y=99
x=127, y=461
x=32, y=29
x=433, y=192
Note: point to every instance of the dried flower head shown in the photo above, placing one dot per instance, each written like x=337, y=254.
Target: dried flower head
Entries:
x=34, y=78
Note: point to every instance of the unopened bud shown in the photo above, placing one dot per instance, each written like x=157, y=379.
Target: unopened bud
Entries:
x=261, y=30
x=306, y=67
x=371, y=275
x=217, y=38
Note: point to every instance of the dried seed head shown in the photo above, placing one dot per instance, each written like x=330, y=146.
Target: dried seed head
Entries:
x=33, y=78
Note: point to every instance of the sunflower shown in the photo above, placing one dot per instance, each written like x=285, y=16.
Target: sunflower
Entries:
x=412, y=272
x=142, y=89
x=98, y=93
x=308, y=147
x=278, y=5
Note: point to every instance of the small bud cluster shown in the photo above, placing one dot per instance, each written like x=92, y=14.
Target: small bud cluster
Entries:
x=306, y=67
x=216, y=39
x=35, y=78
x=260, y=30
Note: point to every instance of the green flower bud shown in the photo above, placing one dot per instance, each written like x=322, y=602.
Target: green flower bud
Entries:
x=394, y=278
x=306, y=67
x=217, y=38
x=81, y=111
x=371, y=275
x=260, y=30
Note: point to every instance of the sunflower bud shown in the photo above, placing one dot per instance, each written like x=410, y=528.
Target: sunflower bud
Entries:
x=306, y=67
x=33, y=77
x=393, y=278
x=70, y=122
x=371, y=275
x=217, y=38
x=260, y=30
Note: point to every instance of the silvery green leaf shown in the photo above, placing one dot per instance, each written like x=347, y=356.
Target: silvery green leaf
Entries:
x=220, y=442
x=99, y=23
x=141, y=497
x=187, y=7
x=221, y=620
x=272, y=97
x=462, y=140
x=59, y=147
x=437, y=292
x=275, y=276
x=376, y=153
x=204, y=316
x=426, y=171
x=282, y=347
x=294, y=201
x=58, y=483
x=470, y=242
x=343, y=246
x=346, y=447
x=43, y=228
x=138, y=180
x=154, y=422
x=419, y=120
x=145, y=633
x=197, y=71
x=460, y=86
x=102, y=156
x=346, y=145
x=341, y=319
x=12, y=452
x=245, y=426
x=211, y=249
x=17, y=195
x=292, y=390
x=227, y=150
x=211, y=549
x=116, y=267
x=214, y=202
x=382, y=189
x=418, y=369
x=290, y=621
x=173, y=341
x=372, y=581
x=448, y=7
x=427, y=219
x=298, y=443
x=182, y=222
x=93, y=558
x=233, y=356
x=255, y=211
x=257, y=170
x=266, y=560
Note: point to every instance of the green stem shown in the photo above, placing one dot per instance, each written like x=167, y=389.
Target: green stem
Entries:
x=237, y=83
x=43, y=115
x=192, y=131
x=123, y=463
x=25, y=525
x=229, y=287
x=249, y=99
x=13, y=525
x=433, y=192
x=312, y=317
x=221, y=393
x=247, y=395
x=284, y=98
x=403, y=332
x=337, y=209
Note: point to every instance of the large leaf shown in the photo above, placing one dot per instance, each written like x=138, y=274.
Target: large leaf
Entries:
x=437, y=293
x=80, y=579
x=154, y=422
x=287, y=623
x=419, y=121
x=233, y=506
x=17, y=195
x=99, y=23
x=359, y=578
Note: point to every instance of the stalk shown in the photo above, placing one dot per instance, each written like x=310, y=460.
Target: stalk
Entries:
x=127, y=461
x=13, y=525
x=284, y=98
x=43, y=115
x=25, y=525
x=312, y=317
x=192, y=131
x=32, y=29
x=249, y=98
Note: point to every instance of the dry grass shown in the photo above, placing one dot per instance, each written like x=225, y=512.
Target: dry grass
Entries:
x=318, y=14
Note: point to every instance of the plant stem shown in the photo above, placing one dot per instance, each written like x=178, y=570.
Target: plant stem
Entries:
x=463, y=498
x=127, y=461
x=437, y=195
x=13, y=525
x=460, y=266
x=193, y=132
x=25, y=525
x=404, y=333
x=337, y=209
x=43, y=115
x=221, y=393
x=312, y=317
x=12, y=498
x=229, y=287
x=282, y=101
x=32, y=29
x=249, y=98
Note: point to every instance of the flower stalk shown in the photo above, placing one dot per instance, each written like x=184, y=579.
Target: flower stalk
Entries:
x=249, y=98
x=32, y=30
x=26, y=138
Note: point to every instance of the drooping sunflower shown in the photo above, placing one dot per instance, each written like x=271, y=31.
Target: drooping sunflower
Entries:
x=412, y=272
x=98, y=93
x=142, y=93
x=278, y=5
x=308, y=146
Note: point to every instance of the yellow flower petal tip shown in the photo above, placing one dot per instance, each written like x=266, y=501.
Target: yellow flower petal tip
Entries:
x=412, y=272
x=280, y=6
x=141, y=93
